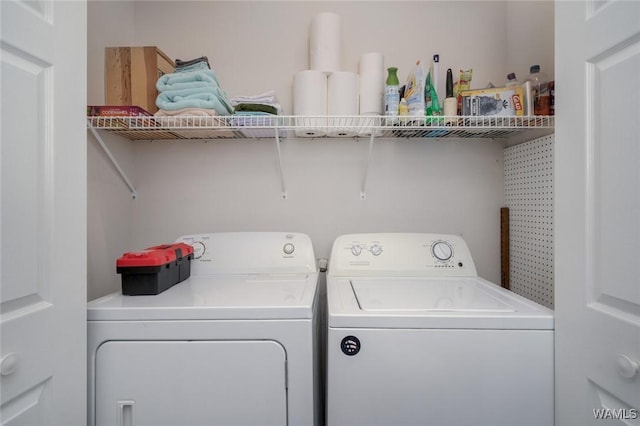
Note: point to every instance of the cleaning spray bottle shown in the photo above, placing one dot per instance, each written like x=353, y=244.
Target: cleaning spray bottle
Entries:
x=431, y=93
x=392, y=95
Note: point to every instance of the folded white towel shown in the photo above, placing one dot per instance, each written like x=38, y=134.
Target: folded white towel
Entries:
x=268, y=97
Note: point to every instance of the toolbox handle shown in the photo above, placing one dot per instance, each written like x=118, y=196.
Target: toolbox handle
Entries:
x=177, y=250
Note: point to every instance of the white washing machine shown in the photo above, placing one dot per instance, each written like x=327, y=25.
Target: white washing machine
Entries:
x=234, y=344
x=415, y=337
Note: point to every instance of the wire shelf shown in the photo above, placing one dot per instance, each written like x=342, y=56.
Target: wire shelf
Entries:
x=252, y=127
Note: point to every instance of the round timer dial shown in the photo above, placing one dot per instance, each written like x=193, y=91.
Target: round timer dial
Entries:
x=442, y=250
x=198, y=249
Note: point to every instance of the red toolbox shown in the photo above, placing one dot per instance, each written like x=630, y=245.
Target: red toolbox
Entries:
x=155, y=269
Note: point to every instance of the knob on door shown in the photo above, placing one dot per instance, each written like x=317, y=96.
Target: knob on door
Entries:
x=8, y=363
x=626, y=367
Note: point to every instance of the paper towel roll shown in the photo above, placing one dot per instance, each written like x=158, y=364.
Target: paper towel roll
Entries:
x=325, y=42
x=342, y=97
x=309, y=102
x=372, y=79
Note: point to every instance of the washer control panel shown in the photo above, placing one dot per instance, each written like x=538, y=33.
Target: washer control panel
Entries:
x=401, y=254
x=375, y=249
x=251, y=252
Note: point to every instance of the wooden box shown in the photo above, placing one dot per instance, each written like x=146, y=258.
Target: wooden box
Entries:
x=131, y=74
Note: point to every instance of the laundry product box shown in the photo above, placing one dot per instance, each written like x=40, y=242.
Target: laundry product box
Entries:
x=120, y=116
x=116, y=111
x=131, y=74
x=497, y=102
x=155, y=269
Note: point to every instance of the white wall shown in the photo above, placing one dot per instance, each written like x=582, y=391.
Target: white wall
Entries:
x=109, y=23
x=110, y=207
x=449, y=186
x=259, y=45
x=530, y=37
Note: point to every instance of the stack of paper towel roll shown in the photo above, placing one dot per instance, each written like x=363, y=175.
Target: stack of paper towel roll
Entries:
x=325, y=90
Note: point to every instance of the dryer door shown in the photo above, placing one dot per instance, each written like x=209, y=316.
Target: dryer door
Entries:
x=154, y=383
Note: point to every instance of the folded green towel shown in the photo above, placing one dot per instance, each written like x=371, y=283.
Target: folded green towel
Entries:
x=256, y=108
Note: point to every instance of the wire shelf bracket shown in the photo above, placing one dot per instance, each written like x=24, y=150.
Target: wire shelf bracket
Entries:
x=107, y=151
x=365, y=176
x=283, y=185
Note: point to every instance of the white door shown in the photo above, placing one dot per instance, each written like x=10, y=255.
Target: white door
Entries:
x=454, y=377
x=43, y=213
x=597, y=171
x=191, y=383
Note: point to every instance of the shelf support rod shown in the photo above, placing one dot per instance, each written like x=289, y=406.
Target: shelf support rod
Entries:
x=282, y=183
x=363, y=190
x=96, y=135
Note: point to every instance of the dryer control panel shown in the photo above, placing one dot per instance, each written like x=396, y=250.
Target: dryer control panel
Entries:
x=251, y=253
x=401, y=254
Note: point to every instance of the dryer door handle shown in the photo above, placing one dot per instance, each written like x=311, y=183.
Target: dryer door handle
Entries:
x=126, y=413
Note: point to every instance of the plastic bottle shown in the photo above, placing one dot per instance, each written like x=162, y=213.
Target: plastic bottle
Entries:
x=539, y=91
x=403, y=110
x=512, y=81
x=392, y=94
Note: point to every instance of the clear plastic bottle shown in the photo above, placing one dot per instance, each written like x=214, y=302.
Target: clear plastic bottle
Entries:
x=539, y=91
x=512, y=81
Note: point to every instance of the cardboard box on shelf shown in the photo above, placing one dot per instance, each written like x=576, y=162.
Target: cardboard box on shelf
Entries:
x=116, y=111
x=497, y=102
x=131, y=74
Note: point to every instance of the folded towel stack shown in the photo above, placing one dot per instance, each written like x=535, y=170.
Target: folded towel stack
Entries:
x=258, y=110
x=201, y=63
x=262, y=104
x=193, y=85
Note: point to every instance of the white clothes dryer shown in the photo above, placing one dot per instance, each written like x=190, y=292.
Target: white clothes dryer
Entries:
x=415, y=337
x=234, y=344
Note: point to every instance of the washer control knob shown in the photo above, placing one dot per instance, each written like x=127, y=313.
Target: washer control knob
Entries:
x=198, y=249
x=442, y=250
x=288, y=248
x=356, y=250
x=376, y=249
